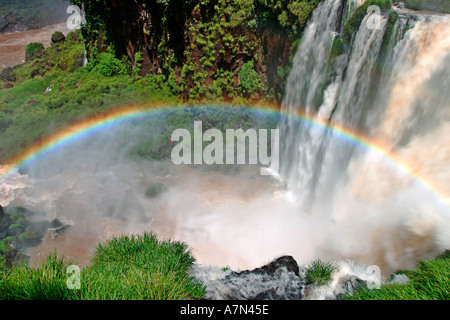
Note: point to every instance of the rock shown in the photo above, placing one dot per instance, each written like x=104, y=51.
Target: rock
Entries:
x=58, y=37
x=7, y=74
x=8, y=85
x=15, y=230
x=11, y=22
x=74, y=37
x=61, y=230
x=11, y=211
x=31, y=236
x=287, y=262
x=399, y=279
x=4, y=224
x=55, y=223
x=33, y=51
x=155, y=190
x=20, y=259
x=277, y=280
x=58, y=226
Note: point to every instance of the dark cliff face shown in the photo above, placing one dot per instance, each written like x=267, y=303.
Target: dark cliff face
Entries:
x=201, y=46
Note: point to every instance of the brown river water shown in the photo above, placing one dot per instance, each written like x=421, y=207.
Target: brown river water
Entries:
x=12, y=45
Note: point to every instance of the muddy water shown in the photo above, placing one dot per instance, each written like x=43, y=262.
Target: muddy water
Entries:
x=204, y=209
x=12, y=45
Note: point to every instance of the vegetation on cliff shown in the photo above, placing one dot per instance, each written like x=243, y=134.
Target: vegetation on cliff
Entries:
x=201, y=47
x=213, y=51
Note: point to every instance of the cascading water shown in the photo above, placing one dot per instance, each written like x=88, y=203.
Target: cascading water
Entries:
x=364, y=161
x=390, y=86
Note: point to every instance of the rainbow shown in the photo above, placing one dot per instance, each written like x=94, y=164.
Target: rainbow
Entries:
x=100, y=121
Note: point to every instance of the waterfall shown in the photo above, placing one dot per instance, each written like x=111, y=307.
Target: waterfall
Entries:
x=85, y=60
x=389, y=85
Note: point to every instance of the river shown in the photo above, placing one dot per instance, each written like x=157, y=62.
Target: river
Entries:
x=12, y=45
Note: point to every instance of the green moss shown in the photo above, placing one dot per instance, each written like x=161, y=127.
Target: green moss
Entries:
x=217, y=29
x=337, y=48
x=33, y=50
x=250, y=79
x=432, y=5
x=354, y=22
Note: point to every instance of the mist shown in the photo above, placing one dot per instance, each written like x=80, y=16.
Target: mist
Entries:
x=229, y=215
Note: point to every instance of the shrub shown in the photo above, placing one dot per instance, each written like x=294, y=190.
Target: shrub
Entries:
x=138, y=62
x=140, y=267
x=250, y=79
x=57, y=37
x=110, y=66
x=33, y=50
x=319, y=272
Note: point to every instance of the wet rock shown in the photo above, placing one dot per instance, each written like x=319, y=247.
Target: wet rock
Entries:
x=7, y=74
x=33, y=51
x=20, y=231
x=59, y=231
x=399, y=279
x=287, y=262
x=11, y=22
x=351, y=285
x=55, y=223
x=5, y=222
x=19, y=211
x=277, y=280
x=58, y=37
x=15, y=230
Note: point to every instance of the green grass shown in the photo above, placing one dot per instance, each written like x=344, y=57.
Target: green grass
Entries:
x=48, y=282
x=429, y=281
x=129, y=267
x=29, y=113
x=135, y=267
x=319, y=272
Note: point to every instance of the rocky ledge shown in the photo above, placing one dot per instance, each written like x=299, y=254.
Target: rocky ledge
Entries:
x=21, y=229
x=282, y=279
